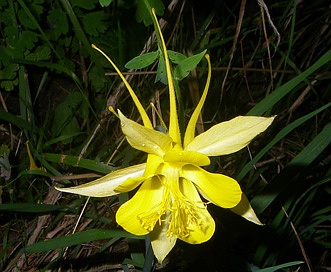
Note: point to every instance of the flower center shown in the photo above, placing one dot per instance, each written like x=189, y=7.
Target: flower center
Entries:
x=185, y=214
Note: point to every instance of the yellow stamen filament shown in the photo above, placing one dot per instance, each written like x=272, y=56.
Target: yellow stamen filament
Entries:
x=184, y=213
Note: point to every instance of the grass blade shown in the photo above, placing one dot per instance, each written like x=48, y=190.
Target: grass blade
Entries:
x=268, y=102
x=78, y=238
x=293, y=171
x=277, y=138
x=75, y=161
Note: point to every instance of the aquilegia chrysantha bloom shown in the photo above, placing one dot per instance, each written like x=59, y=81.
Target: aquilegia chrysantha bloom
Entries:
x=167, y=205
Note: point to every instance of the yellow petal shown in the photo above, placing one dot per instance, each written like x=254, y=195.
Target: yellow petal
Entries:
x=129, y=184
x=140, y=214
x=143, y=138
x=106, y=185
x=186, y=157
x=162, y=244
x=143, y=114
x=229, y=137
x=202, y=224
x=220, y=189
x=190, y=129
x=245, y=210
x=153, y=163
x=174, y=131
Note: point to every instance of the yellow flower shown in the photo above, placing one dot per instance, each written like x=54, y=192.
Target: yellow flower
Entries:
x=167, y=204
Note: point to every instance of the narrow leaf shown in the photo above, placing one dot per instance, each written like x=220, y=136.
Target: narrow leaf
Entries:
x=286, y=130
x=291, y=175
x=78, y=238
x=281, y=266
x=83, y=163
x=30, y=208
x=269, y=101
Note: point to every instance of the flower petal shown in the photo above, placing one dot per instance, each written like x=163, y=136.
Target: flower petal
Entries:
x=220, y=189
x=140, y=213
x=190, y=129
x=162, y=244
x=245, y=210
x=143, y=114
x=202, y=224
x=174, y=130
x=153, y=163
x=229, y=137
x=106, y=185
x=145, y=139
x=186, y=157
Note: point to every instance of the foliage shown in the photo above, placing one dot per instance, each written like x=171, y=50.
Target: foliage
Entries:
x=54, y=94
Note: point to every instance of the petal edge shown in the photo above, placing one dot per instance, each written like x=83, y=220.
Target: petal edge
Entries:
x=230, y=136
x=106, y=185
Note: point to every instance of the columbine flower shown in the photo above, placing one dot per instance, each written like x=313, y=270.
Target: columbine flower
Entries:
x=167, y=205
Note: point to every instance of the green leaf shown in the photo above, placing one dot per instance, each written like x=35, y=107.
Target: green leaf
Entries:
x=79, y=238
x=142, y=61
x=94, y=24
x=14, y=120
x=35, y=9
x=30, y=208
x=12, y=36
x=269, y=101
x=62, y=116
x=75, y=100
x=85, y=4
x=161, y=74
x=93, y=165
x=291, y=175
x=105, y=3
x=59, y=21
x=9, y=71
x=78, y=103
x=42, y=52
x=27, y=40
x=143, y=13
x=9, y=85
x=19, y=42
x=188, y=64
x=5, y=58
x=176, y=57
x=65, y=121
x=97, y=79
x=280, y=135
x=281, y=266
